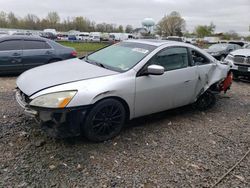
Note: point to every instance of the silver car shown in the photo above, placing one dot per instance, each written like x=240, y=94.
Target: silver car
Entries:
x=96, y=95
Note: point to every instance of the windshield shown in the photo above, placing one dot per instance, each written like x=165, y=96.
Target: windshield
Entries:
x=218, y=46
x=121, y=56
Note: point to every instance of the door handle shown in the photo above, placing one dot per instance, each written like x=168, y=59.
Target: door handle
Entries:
x=16, y=54
x=187, y=81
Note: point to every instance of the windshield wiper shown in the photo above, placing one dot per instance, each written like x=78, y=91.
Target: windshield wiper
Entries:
x=95, y=63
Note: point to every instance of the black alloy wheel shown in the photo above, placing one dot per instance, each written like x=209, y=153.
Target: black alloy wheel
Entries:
x=105, y=120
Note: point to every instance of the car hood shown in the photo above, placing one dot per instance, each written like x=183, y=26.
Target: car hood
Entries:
x=58, y=73
x=241, y=52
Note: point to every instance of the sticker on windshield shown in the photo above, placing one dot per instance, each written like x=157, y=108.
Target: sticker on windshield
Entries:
x=140, y=50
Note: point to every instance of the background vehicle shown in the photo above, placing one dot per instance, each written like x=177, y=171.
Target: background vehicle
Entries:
x=247, y=46
x=72, y=37
x=48, y=35
x=94, y=37
x=119, y=36
x=104, y=37
x=220, y=51
x=175, y=38
x=240, y=43
x=3, y=33
x=211, y=40
x=61, y=36
x=82, y=36
x=239, y=61
x=19, y=53
x=97, y=94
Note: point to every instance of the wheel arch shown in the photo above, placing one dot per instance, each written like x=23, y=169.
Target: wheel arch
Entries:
x=124, y=103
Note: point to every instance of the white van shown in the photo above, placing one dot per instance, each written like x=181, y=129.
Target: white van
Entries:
x=95, y=37
x=82, y=36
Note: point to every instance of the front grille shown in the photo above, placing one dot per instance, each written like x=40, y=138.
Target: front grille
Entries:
x=248, y=60
x=239, y=59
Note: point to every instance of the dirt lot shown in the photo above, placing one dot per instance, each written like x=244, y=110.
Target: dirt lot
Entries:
x=178, y=148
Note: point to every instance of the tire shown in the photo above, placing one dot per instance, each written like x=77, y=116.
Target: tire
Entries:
x=105, y=120
x=206, y=101
x=235, y=77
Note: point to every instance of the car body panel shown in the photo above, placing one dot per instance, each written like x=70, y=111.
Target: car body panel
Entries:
x=165, y=91
x=59, y=73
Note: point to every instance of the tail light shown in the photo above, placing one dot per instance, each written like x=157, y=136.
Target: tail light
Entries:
x=74, y=53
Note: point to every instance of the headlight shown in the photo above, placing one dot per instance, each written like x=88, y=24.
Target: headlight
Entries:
x=230, y=57
x=54, y=100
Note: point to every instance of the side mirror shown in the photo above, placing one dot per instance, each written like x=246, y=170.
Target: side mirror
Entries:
x=155, y=70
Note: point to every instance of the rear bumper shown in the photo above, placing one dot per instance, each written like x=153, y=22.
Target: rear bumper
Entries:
x=57, y=123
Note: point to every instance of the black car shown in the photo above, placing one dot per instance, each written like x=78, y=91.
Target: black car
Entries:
x=221, y=50
x=19, y=53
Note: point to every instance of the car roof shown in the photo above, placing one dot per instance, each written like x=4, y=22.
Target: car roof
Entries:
x=155, y=42
x=21, y=37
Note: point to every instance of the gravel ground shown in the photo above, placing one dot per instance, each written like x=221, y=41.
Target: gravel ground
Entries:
x=177, y=148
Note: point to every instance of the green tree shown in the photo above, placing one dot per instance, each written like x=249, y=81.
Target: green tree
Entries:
x=120, y=29
x=129, y=29
x=205, y=30
x=80, y=23
x=31, y=21
x=53, y=19
x=171, y=25
x=13, y=21
x=3, y=19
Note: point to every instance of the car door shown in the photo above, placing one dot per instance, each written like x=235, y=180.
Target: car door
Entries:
x=172, y=89
x=11, y=56
x=36, y=52
x=204, y=68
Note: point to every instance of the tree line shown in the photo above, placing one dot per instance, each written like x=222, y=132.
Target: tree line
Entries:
x=53, y=20
x=172, y=24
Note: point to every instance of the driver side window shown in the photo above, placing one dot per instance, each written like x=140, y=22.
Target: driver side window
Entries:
x=198, y=58
x=171, y=58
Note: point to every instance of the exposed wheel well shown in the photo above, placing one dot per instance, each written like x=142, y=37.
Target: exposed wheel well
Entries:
x=124, y=103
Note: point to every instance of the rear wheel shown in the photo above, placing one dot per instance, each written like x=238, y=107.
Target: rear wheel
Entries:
x=205, y=101
x=105, y=120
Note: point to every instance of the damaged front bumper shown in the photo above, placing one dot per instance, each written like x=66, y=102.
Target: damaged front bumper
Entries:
x=57, y=123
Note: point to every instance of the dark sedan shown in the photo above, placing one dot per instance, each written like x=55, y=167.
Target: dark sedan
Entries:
x=220, y=51
x=20, y=53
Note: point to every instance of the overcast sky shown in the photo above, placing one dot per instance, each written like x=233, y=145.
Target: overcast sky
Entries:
x=226, y=14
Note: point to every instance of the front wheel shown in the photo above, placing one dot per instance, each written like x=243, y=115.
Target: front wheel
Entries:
x=105, y=120
x=205, y=101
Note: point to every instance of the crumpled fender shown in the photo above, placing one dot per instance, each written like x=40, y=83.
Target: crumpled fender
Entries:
x=218, y=73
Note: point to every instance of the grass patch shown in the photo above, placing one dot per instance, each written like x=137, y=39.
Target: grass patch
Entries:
x=83, y=48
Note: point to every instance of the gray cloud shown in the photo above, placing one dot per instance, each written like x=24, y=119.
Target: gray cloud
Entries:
x=226, y=15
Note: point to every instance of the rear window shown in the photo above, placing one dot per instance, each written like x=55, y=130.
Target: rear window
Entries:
x=28, y=45
x=10, y=45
